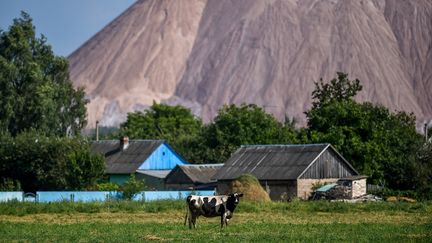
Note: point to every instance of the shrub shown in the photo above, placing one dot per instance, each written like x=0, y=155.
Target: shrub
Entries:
x=10, y=185
x=108, y=186
x=131, y=187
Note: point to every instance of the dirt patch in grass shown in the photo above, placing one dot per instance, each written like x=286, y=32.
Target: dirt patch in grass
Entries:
x=156, y=238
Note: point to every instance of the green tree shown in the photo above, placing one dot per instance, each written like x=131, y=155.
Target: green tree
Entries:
x=245, y=124
x=83, y=169
x=42, y=162
x=176, y=124
x=379, y=143
x=338, y=89
x=35, y=89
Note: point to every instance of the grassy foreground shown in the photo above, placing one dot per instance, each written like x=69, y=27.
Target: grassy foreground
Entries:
x=163, y=221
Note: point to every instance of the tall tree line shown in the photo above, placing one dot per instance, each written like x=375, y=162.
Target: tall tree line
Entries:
x=41, y=117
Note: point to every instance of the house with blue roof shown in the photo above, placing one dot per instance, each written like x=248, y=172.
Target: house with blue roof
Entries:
x=151, y=160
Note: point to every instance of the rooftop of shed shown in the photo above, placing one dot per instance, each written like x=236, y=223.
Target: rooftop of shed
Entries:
x=197, y=173
x=201, y=173
x=272, y=162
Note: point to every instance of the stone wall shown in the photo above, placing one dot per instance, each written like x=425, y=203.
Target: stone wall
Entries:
x=304, y=186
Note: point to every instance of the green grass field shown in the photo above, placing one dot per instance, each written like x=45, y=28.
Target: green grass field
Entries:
x=163, y=221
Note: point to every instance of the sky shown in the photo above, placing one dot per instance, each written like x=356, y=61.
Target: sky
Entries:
x=67, y=24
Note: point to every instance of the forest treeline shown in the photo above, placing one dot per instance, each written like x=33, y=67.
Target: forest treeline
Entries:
x=42, y=114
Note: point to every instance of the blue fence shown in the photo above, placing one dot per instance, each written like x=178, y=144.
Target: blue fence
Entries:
x=175, y=195
x=92, y=196
x=75, y=196
x=9, y=196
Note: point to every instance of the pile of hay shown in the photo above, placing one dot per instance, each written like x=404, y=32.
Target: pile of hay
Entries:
x=400, y=199
x=251, y=188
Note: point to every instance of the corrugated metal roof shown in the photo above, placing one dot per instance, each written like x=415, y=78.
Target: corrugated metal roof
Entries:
x=119, y=161
x=155, y=173
x=271, y=162
x=199, y=173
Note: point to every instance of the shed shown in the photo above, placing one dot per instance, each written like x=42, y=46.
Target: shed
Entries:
x=198, y=176
x=150, y=160
x=286, y=171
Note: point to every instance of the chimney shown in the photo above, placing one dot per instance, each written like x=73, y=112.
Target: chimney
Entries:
x=124, y=142
x=97, y=130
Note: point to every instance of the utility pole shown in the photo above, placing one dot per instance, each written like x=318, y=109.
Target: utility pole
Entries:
x=97, y=130
x=426, y=131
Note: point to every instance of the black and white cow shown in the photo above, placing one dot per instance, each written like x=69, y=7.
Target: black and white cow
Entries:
x=211, y=206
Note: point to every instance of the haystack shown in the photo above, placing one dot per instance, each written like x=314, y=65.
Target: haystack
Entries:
x=250, y=187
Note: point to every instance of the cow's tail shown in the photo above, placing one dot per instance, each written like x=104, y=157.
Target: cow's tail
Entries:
x=187, y=209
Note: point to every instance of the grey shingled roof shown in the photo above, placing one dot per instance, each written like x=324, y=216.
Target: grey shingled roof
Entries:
x=271, y=162
x=126, y=161
x=200, y=173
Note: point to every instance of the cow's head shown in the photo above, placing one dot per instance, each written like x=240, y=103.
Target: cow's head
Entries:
x=233, y=200
x=235, y=197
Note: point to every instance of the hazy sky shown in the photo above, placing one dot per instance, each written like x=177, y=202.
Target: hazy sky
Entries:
x=67, y=24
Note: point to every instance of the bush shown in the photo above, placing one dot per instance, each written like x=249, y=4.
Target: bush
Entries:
x=10, y=185
x=108, y=186
x=131, y=187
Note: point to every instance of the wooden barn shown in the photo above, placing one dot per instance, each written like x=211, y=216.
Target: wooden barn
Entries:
x=286, y=171
x=150, y=160
x=196, y=177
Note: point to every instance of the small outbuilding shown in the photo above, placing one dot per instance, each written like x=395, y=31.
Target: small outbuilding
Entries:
x=151, y=160
x=286, y=171
x=196, y=177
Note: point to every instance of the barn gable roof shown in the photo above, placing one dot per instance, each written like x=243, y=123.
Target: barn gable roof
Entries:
x=197, y=173
x=274, y=162
x=124, y=161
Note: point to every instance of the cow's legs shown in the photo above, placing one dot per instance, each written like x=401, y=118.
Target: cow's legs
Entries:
x=194, y=218
x=186, y=216
x=190, y=221
x=224, y=220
